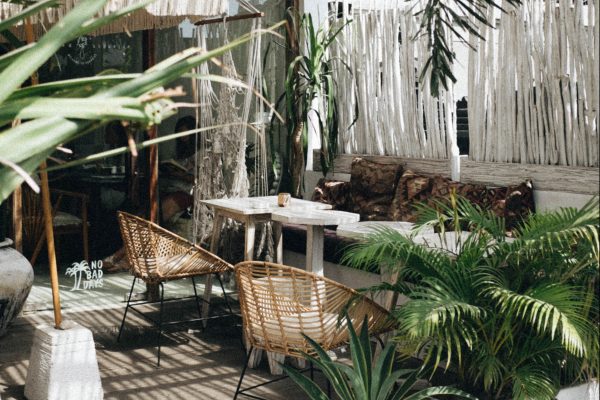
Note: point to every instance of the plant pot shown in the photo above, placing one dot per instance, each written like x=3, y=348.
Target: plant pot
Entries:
x=586, y=391
x=16, y=282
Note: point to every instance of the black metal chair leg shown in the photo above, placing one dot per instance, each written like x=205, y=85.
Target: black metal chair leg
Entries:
x=237, y=390
x=126, y=309
x=312, y=372
x=197, y=300
x=160, y=316
x=328, y=389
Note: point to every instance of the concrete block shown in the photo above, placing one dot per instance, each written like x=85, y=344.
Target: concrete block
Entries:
x=63, y=365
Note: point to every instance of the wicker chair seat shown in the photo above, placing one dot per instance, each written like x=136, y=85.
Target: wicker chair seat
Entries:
x=279, y=303
x=172, y=267
x=288, y=330
x=65, y=219
x=157, y=255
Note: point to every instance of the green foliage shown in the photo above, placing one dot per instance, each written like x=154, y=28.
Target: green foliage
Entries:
x=509, y=317
x=366, y=379
x=56, y=113
x=440, y=17
x=309, y=77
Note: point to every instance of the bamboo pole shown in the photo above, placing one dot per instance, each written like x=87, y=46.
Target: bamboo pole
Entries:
x=229, y=19
x=17, y=218
x=149, y=39
x=47, y=213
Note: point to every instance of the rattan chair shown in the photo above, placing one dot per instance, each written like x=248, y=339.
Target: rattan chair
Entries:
x=156, y=256
x=279, y=304
x=64, y=223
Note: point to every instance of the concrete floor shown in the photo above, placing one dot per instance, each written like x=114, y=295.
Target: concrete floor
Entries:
x=195, y=364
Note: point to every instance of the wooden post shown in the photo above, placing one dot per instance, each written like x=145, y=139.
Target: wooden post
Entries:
x=47, y=212
x=50, y=245
x=17, y=218
x=149, y=55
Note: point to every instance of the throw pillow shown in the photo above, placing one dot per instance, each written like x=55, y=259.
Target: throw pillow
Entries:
x=336, y=193
x=374, y=178
x=372, y=186
x=412, y=189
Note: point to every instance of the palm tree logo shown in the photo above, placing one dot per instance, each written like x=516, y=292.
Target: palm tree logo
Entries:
x=76, y=270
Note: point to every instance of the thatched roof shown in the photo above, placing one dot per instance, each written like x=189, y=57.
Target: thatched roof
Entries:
x=160, y=14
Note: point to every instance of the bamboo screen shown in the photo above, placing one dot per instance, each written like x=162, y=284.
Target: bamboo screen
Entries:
x=533, y=89
x=396, y=113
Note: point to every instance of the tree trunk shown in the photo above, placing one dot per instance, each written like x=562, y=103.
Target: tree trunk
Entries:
x=297, y=160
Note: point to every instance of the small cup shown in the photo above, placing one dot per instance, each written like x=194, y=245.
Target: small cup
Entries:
x=283, y=199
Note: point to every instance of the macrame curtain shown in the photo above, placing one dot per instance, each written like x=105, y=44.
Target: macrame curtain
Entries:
x=159, y=14
x=222, y=168
x=533, y=89
x=396, y=113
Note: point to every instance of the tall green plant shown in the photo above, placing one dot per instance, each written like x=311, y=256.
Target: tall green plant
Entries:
x=310, y=78
x=58, y=112
x=366, y=379
x=511, y=318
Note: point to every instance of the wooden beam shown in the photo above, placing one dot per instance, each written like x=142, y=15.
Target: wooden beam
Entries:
x=552, y=178
x=424, y=166
x=229, y=18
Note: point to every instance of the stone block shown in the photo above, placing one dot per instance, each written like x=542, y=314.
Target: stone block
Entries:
x=63, y=365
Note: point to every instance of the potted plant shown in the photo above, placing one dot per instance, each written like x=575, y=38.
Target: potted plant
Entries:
x=366, y=379
x=506, y=317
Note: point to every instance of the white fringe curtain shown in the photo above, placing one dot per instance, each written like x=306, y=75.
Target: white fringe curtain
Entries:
x=396, y=113
x=159, y=14
x=221, y=162
x=533, y=89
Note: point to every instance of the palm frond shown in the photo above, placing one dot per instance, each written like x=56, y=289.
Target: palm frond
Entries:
x=532, y=383
x=551, y=308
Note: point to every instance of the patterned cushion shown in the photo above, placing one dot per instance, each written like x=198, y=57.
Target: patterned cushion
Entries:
x=336, y=193
x=412, y=189
x=372, y=186
x=514, y=203
x=371, y=178
x=442, y=187
x=371, y=208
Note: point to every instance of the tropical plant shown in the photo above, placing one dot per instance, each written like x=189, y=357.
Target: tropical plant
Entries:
x=55, y=113
x=459, y=18
x=510, y=318
x=366, y=379
x=309, y=87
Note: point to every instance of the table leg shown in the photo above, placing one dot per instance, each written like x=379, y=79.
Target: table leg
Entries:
x=249, y=236
x=249, y=240
x=214, y=245
x=275, y=363
x=315, y=235
x=278, y=239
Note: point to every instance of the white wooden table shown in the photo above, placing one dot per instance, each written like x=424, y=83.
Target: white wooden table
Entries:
x=249, y=211
x=315, y=221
